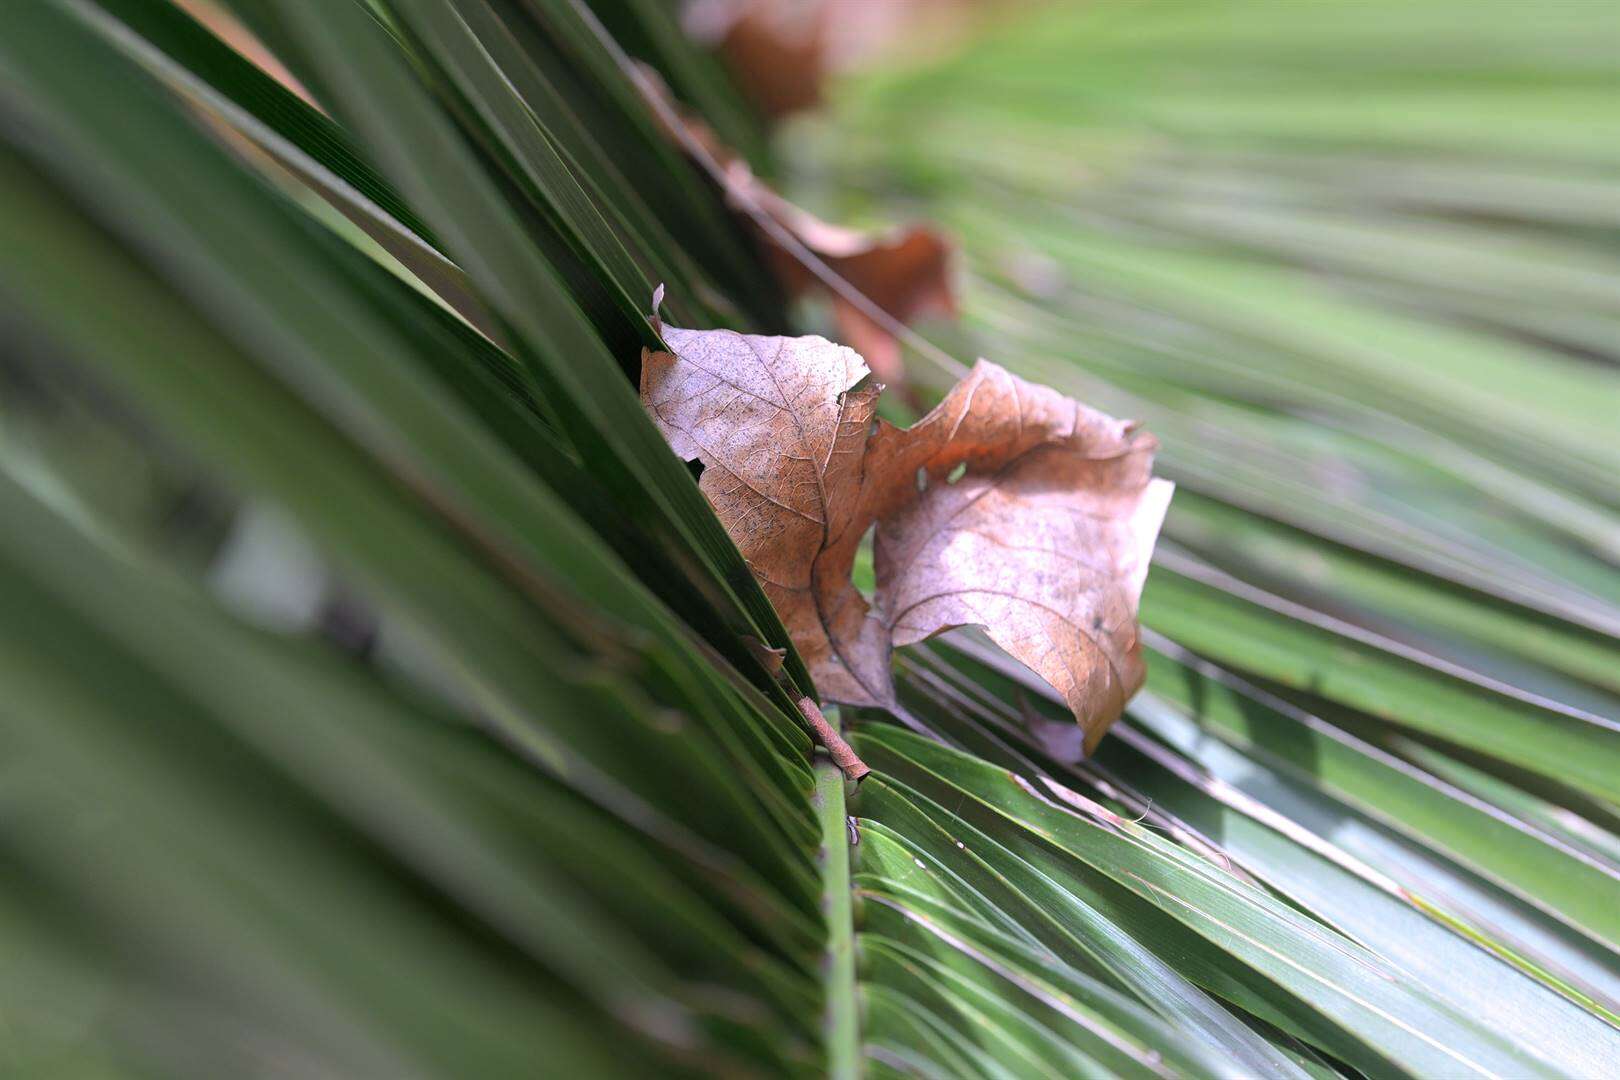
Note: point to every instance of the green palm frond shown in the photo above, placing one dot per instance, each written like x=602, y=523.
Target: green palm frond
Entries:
x=382, y=698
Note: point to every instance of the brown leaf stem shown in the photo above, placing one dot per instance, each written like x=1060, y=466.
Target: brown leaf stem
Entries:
x=843, y=755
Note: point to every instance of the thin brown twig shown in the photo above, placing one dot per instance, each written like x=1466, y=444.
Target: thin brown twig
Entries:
x=843, y=755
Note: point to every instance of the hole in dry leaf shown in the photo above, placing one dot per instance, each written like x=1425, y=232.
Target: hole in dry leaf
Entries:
x=957, y=473
x=922, y=479
x=864, y=572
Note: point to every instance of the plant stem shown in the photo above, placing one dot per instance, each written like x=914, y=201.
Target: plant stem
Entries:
x=843, y=755
x=842, y=1020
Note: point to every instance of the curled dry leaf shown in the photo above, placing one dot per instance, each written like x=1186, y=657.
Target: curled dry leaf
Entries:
x=770, y=659
x=906, y=272
x=1009, y=506
x=781, y=52
x=776, y=50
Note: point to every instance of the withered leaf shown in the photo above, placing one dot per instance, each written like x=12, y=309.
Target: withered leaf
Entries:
x=782, y=437
x=776, y=51
x=781, y=52
x=770, y=659
x=1009, y=506
x=908, y=272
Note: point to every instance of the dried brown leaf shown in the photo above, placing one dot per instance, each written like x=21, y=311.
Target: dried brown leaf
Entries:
x=781, y=52
x=775, y=49
x=782, y=437
x=907, y=272
x=1044, y=540
x=770, y=659
x=1009, y=506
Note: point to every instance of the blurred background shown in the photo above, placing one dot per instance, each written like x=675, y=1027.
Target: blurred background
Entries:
x=379, y=698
